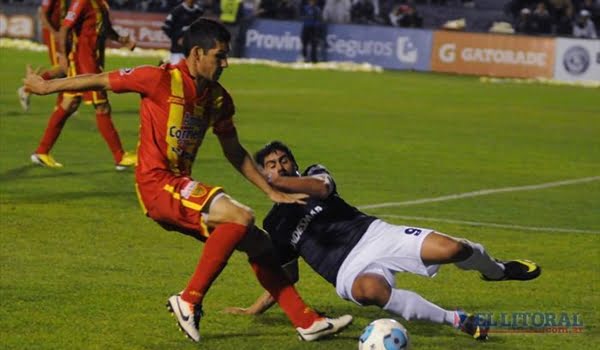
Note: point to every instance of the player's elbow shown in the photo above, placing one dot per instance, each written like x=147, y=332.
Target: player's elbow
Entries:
x=323, y=189
x=322, y=192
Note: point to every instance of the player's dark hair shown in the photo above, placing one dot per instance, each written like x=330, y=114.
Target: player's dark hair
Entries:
x=259, y=156
x=204, y=33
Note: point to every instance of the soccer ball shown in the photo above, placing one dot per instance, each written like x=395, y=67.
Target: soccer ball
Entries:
x=384, y=334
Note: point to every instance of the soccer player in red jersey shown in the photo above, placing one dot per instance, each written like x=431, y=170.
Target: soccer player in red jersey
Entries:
x=86, y=27
x=179, y=104
x=51, y=13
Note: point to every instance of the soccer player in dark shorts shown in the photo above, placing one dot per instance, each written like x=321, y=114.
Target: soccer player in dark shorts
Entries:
x=179, y=104
x=359, y=254
x=82, y=37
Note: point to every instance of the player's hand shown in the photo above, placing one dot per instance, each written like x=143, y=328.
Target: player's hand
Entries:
x=33, y=82
x=128, y=42
x=131, y=44
x=292, y=198
x=237, y=311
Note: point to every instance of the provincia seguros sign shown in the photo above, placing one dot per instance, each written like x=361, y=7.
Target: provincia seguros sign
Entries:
x=390, y=48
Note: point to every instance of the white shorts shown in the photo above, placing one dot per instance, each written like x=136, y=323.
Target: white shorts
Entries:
x=384, y=250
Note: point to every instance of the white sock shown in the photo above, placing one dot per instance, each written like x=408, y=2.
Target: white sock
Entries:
x=481, y=261
x=412, y=306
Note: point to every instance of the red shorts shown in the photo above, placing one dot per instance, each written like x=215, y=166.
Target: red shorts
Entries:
x=52, y=44
x=179, y=206
x=85, y=60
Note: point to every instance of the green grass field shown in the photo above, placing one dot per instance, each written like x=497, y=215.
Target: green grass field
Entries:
x=82, y=268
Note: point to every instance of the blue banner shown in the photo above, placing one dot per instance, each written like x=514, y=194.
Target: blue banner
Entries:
x=273, y=40
x=389, y=47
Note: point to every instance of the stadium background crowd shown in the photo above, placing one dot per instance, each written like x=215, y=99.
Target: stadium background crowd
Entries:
x=579, y=18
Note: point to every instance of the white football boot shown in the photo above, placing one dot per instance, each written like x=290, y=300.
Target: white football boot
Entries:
x=324, y=327
x=188, y=316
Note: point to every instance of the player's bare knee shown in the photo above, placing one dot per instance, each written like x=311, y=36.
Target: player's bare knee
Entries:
x=371, y=289
x=450, y=249
x=226, y=209
x=463, y=251
x=243, y=216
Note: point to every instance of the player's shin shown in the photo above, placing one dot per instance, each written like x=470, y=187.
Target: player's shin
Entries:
x=257, y=244
x=481, y=261
x=412, y=306
x=110, y=134
x=273, y=278
x=55, y=125
x=218, y=248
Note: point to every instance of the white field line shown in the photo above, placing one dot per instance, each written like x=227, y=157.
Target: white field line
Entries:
x=481, y=193
x=489, y=224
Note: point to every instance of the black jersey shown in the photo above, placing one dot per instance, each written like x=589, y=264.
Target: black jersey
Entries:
x=177, y=21
x=322, y=231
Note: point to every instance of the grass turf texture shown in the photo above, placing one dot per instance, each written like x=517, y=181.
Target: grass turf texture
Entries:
x=81, y=267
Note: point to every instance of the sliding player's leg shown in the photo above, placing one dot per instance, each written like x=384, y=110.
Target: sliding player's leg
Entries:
x=442, y=249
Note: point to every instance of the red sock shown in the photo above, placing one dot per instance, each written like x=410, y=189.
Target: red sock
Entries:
x=108, y=131
x=55, y=126
x=59, y=98
x=272, y=277
x=218, y=248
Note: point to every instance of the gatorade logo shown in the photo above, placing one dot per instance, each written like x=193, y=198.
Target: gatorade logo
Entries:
x=447, y=53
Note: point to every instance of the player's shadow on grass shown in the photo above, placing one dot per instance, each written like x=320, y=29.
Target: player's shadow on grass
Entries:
x=62, y=197
x=24, y=172
x=13, y=114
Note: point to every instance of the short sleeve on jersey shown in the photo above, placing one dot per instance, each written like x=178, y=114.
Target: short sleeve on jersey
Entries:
x=74, y=12
x=224, y=125
x=142, y=79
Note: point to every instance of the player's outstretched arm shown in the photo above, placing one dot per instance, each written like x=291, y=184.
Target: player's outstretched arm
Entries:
x=242, y=161
x=315, y=186
x=35, y=84
x=262, y=304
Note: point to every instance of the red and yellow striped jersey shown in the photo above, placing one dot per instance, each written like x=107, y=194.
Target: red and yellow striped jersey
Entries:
x=55, y=11
x=88, y=20
x=174, y=119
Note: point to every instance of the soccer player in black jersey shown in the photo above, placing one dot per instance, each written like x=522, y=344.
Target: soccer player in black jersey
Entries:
x=359, y=254
x=179, y=20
